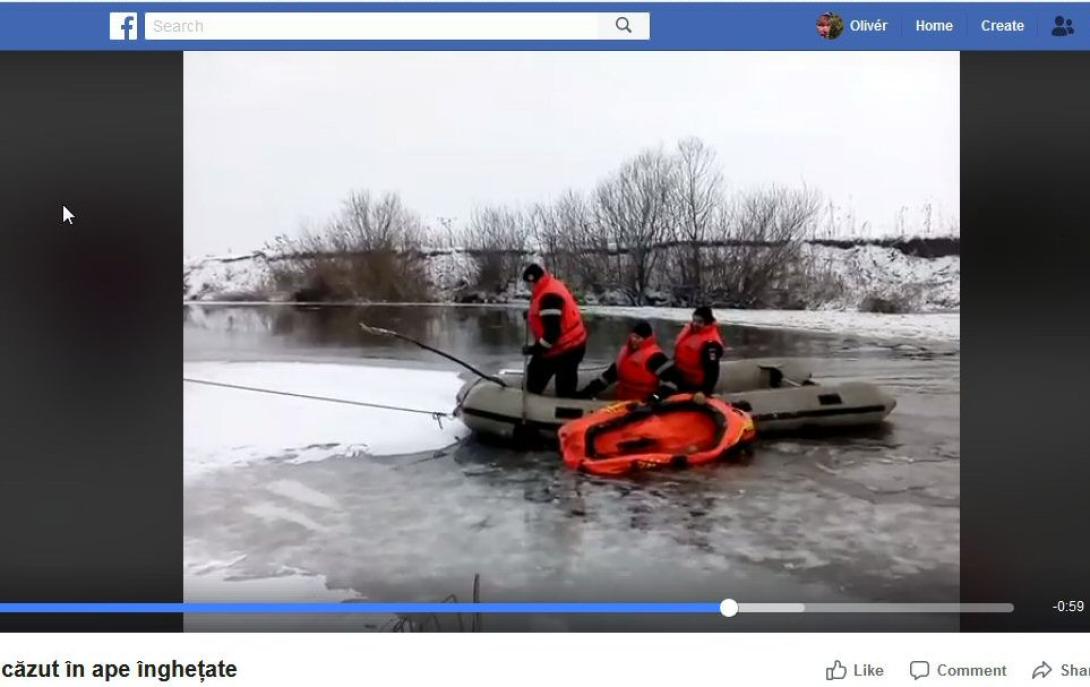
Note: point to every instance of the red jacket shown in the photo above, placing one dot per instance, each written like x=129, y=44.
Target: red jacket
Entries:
x=688, y=350
x=572, y=332
x=635, y=382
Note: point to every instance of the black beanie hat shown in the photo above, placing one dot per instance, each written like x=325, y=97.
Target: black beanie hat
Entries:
x=533, y=271
x=704, y=313
x=643, y=328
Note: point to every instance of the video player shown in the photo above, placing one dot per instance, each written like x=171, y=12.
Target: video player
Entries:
x=553, y=318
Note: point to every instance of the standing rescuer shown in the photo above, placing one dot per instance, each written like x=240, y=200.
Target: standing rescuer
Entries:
x=560, y=339
x=697, y=352
x=642, y=371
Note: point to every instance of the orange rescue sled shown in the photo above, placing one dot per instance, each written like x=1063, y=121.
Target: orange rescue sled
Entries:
x=683, y=430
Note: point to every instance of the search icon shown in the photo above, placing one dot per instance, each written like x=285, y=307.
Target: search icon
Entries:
x=622, y=24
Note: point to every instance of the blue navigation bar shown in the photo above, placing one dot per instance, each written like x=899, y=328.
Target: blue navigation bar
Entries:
x=698, y=26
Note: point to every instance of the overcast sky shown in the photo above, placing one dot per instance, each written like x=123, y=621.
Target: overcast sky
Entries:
x=273, y=139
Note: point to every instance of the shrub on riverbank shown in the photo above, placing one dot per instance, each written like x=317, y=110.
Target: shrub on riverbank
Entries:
x=662, y=229
x=828, y=277
x=371, y=251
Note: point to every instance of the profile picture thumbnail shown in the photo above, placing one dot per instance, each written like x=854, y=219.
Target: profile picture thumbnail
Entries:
x=830, y=25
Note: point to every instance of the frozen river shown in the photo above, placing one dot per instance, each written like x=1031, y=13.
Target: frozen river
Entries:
x=295, y=500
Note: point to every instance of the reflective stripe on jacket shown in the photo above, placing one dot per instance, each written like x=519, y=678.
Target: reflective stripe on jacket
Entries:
x=688, y=349
x=572, y=332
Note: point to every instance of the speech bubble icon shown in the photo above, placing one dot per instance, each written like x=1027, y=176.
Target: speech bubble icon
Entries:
x=918, y=669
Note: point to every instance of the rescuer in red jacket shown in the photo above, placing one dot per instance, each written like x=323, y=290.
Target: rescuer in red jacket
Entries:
x=697, y=352
x=642, y=370
x=560, y=339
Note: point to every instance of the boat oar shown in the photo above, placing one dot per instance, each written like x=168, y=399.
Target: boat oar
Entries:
x=525, y=368
x=379, y=331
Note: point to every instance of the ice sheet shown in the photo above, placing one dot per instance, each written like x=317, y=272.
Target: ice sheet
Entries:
x=228, y=427
x=920, y=326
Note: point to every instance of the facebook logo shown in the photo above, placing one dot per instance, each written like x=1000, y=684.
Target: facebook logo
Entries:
x=123, y=26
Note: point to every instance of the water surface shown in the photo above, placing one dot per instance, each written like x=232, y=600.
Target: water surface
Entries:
x=873, y=515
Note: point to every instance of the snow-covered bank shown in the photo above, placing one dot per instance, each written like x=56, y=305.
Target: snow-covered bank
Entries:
x=224, y=427
x=842, y=278
x=945, y=327
x=227, y=277
x=929, y=284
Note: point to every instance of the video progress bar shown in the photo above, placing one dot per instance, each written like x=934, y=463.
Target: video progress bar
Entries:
x=728, y=608
x=959, y=608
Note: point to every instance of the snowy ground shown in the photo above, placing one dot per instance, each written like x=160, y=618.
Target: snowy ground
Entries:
x=925, y=284
x=228, y=277
x=945, y=327
x=929, y=284
x=301, y=430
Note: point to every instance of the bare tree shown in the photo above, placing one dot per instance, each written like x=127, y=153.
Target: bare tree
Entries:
x=761, y=239
x=544, y=226
x=367, y=224
x=663, y=218
x=446, y=237
x=634, y=208
x=698, y=196
x=497, y=237
x=369, y=251
x=573, y=243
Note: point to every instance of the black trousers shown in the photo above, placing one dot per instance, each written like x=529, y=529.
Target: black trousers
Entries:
x=566, y=368
x=705, y=388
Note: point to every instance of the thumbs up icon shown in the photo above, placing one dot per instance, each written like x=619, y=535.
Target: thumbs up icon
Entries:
x=836, y=672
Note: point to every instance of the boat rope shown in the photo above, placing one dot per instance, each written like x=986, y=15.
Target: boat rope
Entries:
x=434, y=414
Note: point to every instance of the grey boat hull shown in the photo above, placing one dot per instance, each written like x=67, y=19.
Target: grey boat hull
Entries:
x=778, y=393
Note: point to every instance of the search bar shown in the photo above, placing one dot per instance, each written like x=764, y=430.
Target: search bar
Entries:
x=397, y=26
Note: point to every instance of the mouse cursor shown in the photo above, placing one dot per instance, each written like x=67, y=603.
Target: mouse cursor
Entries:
x=66, y=215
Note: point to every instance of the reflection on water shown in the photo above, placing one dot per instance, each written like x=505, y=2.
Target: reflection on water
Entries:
x=867, y=516
x=482, y=334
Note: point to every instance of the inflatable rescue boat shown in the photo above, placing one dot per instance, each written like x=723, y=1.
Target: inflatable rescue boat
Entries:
x=680, y=431
x=778, y=394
